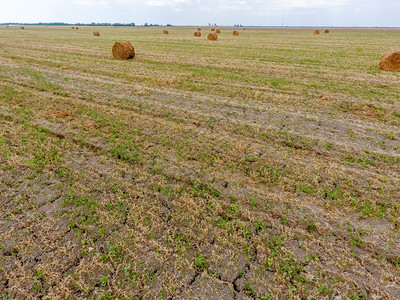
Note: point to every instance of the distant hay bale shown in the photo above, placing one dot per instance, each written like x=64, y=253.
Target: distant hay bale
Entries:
x=123, y=50
x=8, y=26
x=22, y=27
x=73, y=27
x=316, y=31
x=96, y=33
x=165, y=32
x=212, y=29
x=326, y=30
x=390, y=61
x=197, y=33
x=244, y=28
x=212, y=36
x=64, y=68
x=76, y=28
x=235, y=33
x=218, y=31
x=199, y=29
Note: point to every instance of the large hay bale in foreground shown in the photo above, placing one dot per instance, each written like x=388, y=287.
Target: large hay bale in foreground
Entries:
x=390, y=61
x=96, y=33
x=197, y=33
x=218, y=31
x=316, y=31
x=213, y=36
x=165, y=32
x=212, y=29
x=235, y=33
x=123, y=50
x=327, y=31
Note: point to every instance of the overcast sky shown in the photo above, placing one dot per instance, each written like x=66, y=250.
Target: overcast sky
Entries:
x=202, y=12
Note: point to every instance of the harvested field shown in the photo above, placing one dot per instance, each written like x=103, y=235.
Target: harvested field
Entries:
x=265, y=167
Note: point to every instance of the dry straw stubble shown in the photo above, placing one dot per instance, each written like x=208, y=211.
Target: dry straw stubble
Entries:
x=123, y=50
x=212, y=36
x=390, y=61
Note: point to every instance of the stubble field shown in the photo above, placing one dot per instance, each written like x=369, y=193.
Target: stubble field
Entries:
x=264, y=166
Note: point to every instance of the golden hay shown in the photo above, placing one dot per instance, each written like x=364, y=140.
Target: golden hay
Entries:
x=64, y=68
x=326, y=30
x=212, y=29
x=390, y=61
x=212, y=36
x=96, y=33
x=316, y=31
x=197, y=33
x=199, y=29
x=236, y=33
x=123, y=50
x=165, y=32
x=218, y=31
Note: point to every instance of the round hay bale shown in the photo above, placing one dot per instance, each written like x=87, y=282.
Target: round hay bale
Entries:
x=72, y=27
x=316, y=31
x=390, y=61
x=22, y=27
x=123, y=50
x=326, y=31
x=165, y=32
x=235, y=33
x=197, y=33
x=212, y=29
x=8, y=26
x=212, y=36
x=96, y=33
x=199, y=29
x=244, y=28
x=64, y=68
x=218, y=31
x=76, y=28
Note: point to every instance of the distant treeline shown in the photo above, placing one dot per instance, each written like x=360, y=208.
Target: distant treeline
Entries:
x=71, y=24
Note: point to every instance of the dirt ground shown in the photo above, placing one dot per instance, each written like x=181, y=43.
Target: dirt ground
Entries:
x=264, y=166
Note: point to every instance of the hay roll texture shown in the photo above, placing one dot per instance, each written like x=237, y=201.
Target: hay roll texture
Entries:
x=199, y=29
x=326, y=30
x=197, y=33
x=390, y=61
x=316, y=31
x=212, y=29
x=165, y=32
x=235, y=33
x=212, y=36
x=96, y=33
x=218, y=31
x=123, y=50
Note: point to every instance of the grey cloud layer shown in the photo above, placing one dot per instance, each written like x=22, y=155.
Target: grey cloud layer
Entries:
x=223, y=12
